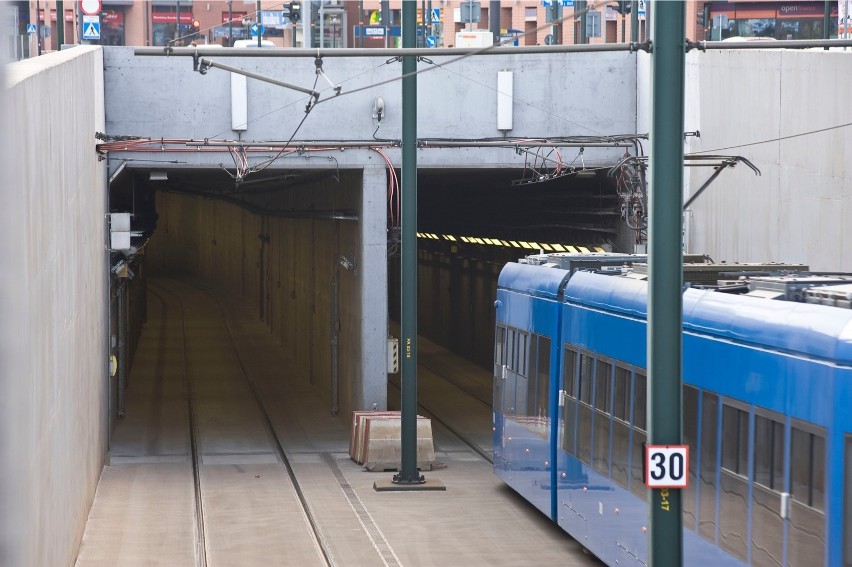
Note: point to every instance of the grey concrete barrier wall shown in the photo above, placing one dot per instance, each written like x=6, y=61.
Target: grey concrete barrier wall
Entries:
x=789, y=113
x=53, y=300
x=581, y=94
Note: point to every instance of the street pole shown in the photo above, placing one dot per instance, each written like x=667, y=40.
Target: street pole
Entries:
x=665, y=263
x=634, y=22
x=177, y=22
x=257, y=23
x=38, y=29
x=230, y=23
x=361, y=23
x=384, y=6
x=408, y=403
x=582, y=7
x=60, y=24
x=494, y=19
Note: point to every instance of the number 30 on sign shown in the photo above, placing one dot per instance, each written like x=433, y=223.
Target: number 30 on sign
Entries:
x=666, y=466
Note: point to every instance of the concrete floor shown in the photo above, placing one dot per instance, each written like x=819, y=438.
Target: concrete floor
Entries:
x=144, y=510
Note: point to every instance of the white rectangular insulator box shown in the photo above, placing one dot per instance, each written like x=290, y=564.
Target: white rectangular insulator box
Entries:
x=504, y=100
x=239, y=103
x=393, y=355
x=119, y=241
x=119, y=222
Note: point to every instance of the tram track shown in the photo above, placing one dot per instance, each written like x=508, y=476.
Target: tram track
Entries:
x=467, y=391
x=200, y=539
x=461, y=436
x=323, y=548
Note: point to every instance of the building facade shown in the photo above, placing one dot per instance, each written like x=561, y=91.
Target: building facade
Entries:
x=342, y=23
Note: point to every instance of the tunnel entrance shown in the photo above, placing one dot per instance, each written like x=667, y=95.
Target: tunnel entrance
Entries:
x=294, y=244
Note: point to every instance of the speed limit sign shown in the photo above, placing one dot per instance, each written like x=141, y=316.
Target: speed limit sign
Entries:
x=666, y=466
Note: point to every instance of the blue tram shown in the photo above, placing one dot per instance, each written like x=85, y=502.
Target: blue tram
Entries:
x=767, y=378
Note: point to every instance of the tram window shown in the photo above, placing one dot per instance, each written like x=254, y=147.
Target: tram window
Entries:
x=807, y=468
x=569, y=365
x=569, y=410
x=640, y=401
x=707, y=492
x=637, y=482
x=602, y=389
x=529, y=395
x=542, y=397
x=769, y=453
x=499, y=345
x=621, y=408
x=510, y=349
x=690, y=433
x=735, y=440
x=585, y=394
x=523, y=346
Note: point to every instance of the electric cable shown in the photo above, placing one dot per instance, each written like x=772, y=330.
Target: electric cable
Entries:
x=782, y=138
x=590, y=6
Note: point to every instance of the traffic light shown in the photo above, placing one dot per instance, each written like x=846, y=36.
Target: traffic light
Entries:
x=623, y=7
x=196, y=27
x=295, y=11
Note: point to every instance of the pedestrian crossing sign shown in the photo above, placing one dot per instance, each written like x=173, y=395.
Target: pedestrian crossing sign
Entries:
x=92, y=30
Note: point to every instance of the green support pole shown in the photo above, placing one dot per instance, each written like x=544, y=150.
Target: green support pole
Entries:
x=554, y=18
x=256, y=21
x=826, y=21
x=634, y=21
x=665, y=263
x=60, y=24
x=408, y=469
x=583, y=8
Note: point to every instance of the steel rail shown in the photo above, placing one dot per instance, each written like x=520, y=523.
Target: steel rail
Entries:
x=200, y=540
x=322, y=543
x=464, y=438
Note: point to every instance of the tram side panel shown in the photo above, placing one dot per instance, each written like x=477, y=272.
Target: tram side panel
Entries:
x=757, y=418
x=525, y=390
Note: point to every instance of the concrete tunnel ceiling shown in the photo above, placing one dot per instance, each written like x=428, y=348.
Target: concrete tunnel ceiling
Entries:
x=506, y=203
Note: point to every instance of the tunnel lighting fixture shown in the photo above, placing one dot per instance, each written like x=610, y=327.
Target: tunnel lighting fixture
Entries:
x=504, y=101
x=158, y=176
x=378, y=109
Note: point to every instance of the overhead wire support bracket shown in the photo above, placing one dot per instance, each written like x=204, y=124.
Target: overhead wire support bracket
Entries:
x=203, y=65
x=320, y=72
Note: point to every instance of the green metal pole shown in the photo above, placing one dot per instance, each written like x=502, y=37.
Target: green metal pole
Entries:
x=408, y=469
x=554, y=18
x=634, y=21
x=60, y=24
x=826, y=21
x=256, y=22
x=665, y=263
x=583, y=8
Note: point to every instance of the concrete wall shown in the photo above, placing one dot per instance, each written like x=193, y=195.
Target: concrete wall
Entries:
x=53, y=297
x=555, y=95
x=797, y=209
